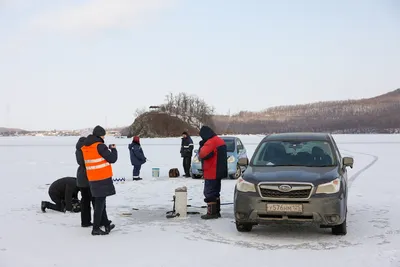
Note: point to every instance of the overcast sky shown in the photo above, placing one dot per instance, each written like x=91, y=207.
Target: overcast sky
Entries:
x=74, y=64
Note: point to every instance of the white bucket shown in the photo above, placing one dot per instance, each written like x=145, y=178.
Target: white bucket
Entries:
x=155, y=172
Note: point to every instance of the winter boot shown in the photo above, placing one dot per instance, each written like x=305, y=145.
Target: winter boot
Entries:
x=109, y=222
x=98, y=232
x=43, y=206
x=211, y=211
x=219, y=207
x=109, y=227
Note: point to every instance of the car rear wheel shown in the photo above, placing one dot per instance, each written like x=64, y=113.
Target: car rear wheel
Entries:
x=237, y=174
x=244, y=227
x=194, y=176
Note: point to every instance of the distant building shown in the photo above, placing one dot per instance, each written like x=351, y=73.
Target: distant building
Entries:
x=113, y=133
x=154, y=108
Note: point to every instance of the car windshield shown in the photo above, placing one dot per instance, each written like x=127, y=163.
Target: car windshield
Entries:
x=230, y=145
x=295, y=153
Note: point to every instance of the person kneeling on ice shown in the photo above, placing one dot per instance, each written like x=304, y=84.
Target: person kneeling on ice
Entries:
x=98, y=159
x=64, y=194
x=137, y=157
x=213, y=154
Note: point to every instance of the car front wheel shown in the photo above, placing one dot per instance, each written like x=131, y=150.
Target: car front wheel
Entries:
x=244, y=227
x=340, y=229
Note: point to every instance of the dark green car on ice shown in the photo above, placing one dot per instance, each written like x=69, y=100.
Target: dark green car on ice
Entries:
x=294, y=177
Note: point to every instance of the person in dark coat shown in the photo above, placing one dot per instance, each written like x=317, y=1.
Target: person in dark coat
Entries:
x=83, y=185
x=64, y=194
x=186, y=152
x=213, y=154
x=100, y=187
x=137, y=157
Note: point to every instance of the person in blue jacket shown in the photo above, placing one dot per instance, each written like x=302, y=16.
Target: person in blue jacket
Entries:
x=137, y=157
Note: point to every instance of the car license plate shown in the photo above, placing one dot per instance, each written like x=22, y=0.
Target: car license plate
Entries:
x=284, y=208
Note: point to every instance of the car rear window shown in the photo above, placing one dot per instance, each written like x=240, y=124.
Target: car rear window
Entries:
x=295, y=153
x=230, y=145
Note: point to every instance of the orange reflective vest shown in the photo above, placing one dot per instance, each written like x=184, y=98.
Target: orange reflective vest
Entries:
x=97, y=168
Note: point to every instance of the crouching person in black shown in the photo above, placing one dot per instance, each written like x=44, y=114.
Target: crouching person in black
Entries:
x=64, y=194
x=213, y=154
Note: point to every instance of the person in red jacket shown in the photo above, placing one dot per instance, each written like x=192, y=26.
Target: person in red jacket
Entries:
x=213, y=154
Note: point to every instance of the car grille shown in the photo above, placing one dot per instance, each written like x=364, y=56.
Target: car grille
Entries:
x=298, y=191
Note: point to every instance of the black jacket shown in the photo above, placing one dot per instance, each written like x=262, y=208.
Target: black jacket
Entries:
x=65, y=188
x=81, y=180
x=187, y=147
x=102, y=188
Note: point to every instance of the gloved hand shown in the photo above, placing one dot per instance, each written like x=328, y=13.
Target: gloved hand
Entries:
x=76, y=210
x=76, y=207
x=201, y=143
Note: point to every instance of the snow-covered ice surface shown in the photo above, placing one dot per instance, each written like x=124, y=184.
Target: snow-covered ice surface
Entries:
x=29, y=237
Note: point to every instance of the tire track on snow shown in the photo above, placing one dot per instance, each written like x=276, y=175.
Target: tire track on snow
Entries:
x=369, y=165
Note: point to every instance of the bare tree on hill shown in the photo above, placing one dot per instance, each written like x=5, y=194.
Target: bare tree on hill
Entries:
x=189, y=108
x=140, y=111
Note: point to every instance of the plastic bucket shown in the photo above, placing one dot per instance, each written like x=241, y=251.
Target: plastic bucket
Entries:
x=155, y=172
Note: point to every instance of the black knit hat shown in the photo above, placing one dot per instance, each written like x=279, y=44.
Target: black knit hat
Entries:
x=99, y=131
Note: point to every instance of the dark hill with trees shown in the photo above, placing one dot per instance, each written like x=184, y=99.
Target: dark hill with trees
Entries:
x=378, y=114
x=156, y=124
x=179, y=113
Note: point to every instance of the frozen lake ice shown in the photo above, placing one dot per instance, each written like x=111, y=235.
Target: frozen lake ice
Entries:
x=31, y=238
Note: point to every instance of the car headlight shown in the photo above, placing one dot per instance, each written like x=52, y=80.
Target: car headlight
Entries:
x=243, y=186
x=329, y=188
x=196, y=159
x=231, y=159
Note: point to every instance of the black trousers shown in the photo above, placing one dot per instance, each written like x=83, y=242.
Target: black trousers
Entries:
x=100, y=213
x=58, y=204
x=187, y=161
x=86, y=201
x=212, y=189
x=136, y=170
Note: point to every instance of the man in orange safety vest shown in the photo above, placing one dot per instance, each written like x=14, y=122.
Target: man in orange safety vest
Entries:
x=98, y=159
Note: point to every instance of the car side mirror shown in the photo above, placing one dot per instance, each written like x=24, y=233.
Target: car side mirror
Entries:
x=348, y=162
x=242, y=162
